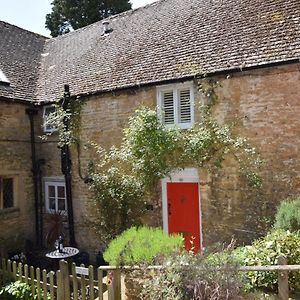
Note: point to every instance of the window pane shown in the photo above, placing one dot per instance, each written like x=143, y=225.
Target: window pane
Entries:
x=8, y=193
x=52, y=203
x=185, y=106
x=50, y=110
x=61, y=191
x=168, y=108
x=51, y=191
x=47, y=124
x=56, y=195
x=61, y=204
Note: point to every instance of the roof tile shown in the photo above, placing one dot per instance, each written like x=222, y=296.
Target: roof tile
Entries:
x=20, y=52
x=167, y=40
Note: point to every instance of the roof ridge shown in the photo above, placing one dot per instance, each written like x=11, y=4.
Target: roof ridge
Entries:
x=130, y=11
x=31, y=32
x=119, y=15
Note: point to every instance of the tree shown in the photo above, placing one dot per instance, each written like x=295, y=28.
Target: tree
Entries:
x=74, y=14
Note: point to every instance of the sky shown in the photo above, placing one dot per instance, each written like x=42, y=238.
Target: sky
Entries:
x=30, y=14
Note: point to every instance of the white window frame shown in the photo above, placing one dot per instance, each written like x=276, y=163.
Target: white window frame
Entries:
x=47, y=128
x=3, y=79
x=175, y=88
x=56, y=182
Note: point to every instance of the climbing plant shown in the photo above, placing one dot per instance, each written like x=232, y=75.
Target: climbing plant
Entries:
x=69, y=114
x=123, y=177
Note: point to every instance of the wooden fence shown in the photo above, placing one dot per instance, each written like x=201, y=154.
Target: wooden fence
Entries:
x=69, y=282
x=72, y=282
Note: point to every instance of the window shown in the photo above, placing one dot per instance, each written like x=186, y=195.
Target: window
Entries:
x=175, y=104
x=6, y=192
x=3, y=79
x=55, y=195
x=47, y=111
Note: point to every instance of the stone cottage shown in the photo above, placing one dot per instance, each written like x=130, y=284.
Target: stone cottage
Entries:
x=148, y=56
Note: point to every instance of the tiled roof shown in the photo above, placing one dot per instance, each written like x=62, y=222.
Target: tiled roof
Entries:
x=168, y=40
x=20, y=54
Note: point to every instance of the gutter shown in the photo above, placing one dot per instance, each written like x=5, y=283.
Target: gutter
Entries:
x=14, y=100
x=136, y=86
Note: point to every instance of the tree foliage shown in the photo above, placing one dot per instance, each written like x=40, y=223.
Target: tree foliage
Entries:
x=74, y=14
x=119, y=202
x=265, y=252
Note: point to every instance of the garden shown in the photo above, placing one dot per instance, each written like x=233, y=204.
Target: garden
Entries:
x=155, y=265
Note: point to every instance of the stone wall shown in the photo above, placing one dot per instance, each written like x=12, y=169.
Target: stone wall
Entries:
x=17, y=223
x=264, y=103
x=102, y=120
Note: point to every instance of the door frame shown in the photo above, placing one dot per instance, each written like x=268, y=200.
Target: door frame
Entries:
x=189, y=175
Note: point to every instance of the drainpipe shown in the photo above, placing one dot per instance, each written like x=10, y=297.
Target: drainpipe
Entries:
x=41, y=206
x=66, y=167
x=31, y=112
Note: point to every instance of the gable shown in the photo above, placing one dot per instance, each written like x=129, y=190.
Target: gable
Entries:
x=20, y=52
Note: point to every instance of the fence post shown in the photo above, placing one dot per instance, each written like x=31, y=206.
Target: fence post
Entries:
x=117, y=284
x=63, y=267
x=283, y=280
x=60, y=286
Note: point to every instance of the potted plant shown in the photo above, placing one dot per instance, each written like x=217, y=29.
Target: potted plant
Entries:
x=55, y=227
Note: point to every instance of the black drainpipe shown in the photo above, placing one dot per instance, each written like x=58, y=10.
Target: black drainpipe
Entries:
x=31, y=112
x=41, y=206
x=66, y=166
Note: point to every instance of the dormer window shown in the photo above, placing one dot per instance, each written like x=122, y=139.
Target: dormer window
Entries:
x=49, y=109
x=176, y=104
x=3, y=79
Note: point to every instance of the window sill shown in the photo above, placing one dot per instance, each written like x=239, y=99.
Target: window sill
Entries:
x=50, y=131
x=50, y=213
x=9, y=213
x=180, y=126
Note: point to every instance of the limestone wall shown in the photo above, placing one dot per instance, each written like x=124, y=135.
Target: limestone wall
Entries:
x=17, y=223
x=265, y=104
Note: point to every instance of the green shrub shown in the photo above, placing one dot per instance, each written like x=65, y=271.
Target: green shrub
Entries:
x=265, y=251
x=19, y=291
x=16, y=291
x=141, y=245
x=189, y=276
x=288, y=215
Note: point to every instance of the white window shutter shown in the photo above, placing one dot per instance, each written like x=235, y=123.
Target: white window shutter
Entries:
x=184, y=106
x=168, y=107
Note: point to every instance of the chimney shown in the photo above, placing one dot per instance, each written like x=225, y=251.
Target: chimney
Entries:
x=106, y=29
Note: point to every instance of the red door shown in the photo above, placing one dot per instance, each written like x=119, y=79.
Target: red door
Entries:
x=183, y=212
